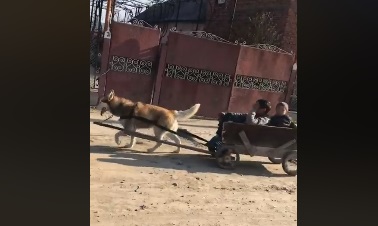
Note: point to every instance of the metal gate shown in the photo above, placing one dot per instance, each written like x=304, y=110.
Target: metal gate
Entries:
x=96, y=40
x=121, y=11
x=133, y=59
x=199, y=68
x=222, y=76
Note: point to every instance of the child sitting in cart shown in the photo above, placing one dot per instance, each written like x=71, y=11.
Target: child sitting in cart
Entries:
x=259, y=113
x=258, y=116
x=281, y=119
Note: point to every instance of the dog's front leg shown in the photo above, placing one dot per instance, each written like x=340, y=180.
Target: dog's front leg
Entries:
x=132, y=128
x=176, y=139
x=132, y=143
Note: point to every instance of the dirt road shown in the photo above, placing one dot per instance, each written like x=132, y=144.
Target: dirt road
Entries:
x=132, y=187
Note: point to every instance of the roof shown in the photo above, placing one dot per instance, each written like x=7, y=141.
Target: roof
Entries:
x=175, y=10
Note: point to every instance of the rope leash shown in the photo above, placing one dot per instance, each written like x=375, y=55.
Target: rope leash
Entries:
x=111, y=116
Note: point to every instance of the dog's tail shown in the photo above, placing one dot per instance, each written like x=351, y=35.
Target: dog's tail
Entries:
x=187, y=114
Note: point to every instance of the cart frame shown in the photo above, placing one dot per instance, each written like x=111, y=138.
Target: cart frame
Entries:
x=225, y=158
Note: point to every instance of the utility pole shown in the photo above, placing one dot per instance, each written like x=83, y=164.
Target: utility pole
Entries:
x=108, y=14
x=105, y=49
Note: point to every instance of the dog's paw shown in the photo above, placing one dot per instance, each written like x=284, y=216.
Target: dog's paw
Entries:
x=150, y=150
x=128, y=146
x=116, y=139
x=118, y=142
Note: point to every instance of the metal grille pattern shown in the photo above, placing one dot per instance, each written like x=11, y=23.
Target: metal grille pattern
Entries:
x=95, y=50
x=130, y=65
x=198, y=75
x=143, y=23
x=293, y=99
x=96, y=40
x=269, y=48
x=261, y=84
x=202, y=34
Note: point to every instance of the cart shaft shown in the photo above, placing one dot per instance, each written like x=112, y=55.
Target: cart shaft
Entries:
x=152, y=138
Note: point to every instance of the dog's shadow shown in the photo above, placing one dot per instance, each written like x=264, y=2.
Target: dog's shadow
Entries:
x=192, y=163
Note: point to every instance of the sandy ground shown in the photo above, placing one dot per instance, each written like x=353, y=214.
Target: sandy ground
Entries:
x=132, y=187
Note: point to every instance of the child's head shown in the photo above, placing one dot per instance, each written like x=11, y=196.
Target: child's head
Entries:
x=282, y=108
x=262, y=107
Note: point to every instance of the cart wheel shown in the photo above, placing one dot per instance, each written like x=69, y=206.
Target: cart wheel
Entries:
x=227, y=158
x=275, y=160
x=289, y=163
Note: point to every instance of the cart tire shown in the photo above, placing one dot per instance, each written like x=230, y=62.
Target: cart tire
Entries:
x=288, y=159
x=227, y=158
x=275, y=160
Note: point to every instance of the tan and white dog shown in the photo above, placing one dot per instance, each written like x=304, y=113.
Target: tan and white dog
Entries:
x=120, y=106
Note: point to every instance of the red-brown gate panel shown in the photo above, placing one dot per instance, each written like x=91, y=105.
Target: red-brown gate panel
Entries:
x=197, y=70
x=260, y=74
x=132, y=61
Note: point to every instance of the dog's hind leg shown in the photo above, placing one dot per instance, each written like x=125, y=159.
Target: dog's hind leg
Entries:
x=159, y=134
x=132, y=143
x=176, y=139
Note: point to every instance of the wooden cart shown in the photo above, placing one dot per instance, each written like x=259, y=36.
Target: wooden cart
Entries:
x=278, y=144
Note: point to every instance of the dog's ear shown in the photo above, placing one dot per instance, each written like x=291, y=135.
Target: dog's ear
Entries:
x=104, y=100
x=111, y=95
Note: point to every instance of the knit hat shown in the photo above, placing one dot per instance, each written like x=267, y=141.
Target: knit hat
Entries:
x=284, y=104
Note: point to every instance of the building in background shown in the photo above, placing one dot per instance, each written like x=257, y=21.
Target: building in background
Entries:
x=231, y=20
x=183, y=15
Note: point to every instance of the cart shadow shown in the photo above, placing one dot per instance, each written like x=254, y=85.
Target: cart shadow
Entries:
x=193, y=163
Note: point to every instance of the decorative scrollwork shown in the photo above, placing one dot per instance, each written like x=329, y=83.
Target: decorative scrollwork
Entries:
x=198, y=75
x=202, y=34
x=136, y=66
x=261, y=84
x=137, y=22
x=269, y=48
x=240, y=43
x=142, y=23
